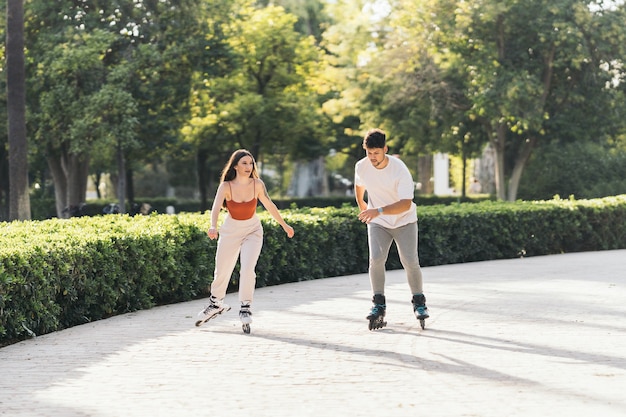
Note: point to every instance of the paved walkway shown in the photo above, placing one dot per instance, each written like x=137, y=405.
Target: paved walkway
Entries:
x=542, y=336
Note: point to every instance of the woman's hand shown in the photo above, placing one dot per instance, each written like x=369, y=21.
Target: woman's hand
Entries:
x=212, y=233
x=289, y=230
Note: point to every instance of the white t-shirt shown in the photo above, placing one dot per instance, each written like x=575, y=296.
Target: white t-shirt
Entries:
x=387, y=186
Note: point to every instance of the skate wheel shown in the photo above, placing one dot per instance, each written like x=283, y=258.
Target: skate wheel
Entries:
x=198, y=323
x=423, y=323
x=246, y=328
x=377, y=323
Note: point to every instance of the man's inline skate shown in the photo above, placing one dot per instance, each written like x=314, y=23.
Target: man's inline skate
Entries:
x=245, y=315
x=215, y=308
x=377, y=314
x=420, y=309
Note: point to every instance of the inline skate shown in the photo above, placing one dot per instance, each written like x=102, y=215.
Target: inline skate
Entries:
x=377, y=314
x=420, y=309
x=215, y=308
x=245, y=315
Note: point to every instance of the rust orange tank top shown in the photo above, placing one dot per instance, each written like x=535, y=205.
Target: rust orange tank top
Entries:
x=241, y=211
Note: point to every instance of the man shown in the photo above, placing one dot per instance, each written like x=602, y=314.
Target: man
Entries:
x=390, y=215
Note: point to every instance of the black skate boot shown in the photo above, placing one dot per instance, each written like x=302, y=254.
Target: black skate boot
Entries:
x=420, y=309
x=377, y=315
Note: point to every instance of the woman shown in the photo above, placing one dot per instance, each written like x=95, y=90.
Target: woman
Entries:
x=241, y=234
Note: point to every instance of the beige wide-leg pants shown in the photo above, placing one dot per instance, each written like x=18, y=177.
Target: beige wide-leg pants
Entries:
x=237, y=239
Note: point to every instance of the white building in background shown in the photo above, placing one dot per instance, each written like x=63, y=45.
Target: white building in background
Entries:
x=441, y=174
x=309, y=179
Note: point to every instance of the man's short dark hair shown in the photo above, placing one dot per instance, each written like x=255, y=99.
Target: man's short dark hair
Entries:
x=375, y=138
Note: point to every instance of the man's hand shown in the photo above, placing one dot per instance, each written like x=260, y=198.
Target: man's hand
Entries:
x=368, y=215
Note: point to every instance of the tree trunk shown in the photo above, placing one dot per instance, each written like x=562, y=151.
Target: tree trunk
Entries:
x=201, y=166
x=60, y=184
x=130, y=187
x=121, y=179
x=498, y=143
x=19, y=198
x=528, y=146
x=97, y=177
x=463, y=176
x=70, y=176
x=4, y=184
x=77, y=176
x=425, y=173
x=518, y=169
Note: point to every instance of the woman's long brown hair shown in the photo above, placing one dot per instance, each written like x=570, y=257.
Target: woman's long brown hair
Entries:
x=229, y=173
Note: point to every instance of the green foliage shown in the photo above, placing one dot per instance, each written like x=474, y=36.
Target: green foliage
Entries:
x=438, y=75
x=43, y=208
x=310, y=13
x=459, y=74
x=496, y=230
x=266, y=68
x=585, y=170
x=329, y=242
x=104, y=77
x=59, y=273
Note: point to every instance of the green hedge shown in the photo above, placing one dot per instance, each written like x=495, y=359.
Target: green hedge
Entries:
x=44, y=208
x=59, y=273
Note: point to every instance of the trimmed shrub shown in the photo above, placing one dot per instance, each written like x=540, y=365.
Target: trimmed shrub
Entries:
x=57, y=273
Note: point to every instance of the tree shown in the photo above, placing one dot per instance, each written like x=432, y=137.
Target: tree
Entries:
x=347, y=42
x=4, y=144
x=583, y=169
x=510, y=73
x=312, y=17
x=116, y=125
x=257, y=92
x=163, y=57
x=78, y=51
x=71, y=81
x=207, y=140
x=270, y=80
x=536, y=72
x=19, y=201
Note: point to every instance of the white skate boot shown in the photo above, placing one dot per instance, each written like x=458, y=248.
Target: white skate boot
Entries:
x=214, y=308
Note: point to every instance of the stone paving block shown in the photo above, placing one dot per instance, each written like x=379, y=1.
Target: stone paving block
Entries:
x=541, y=336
